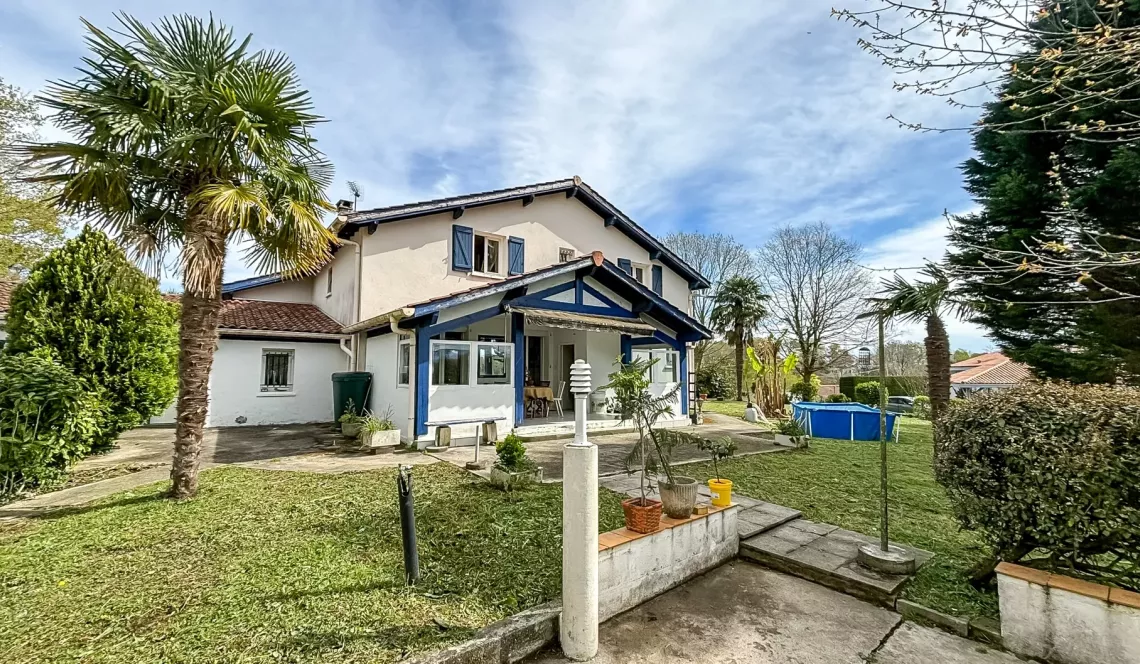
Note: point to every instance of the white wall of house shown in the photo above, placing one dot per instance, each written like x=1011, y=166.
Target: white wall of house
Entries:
x=341, y=303
x=382, y=364
x=410, y=261
x=235, y=384
x=295, y=290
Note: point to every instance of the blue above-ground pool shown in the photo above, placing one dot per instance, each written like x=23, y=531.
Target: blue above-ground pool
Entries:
x=845, y=421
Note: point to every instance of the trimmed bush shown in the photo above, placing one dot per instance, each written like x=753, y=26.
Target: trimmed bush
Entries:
x=1049, y=473
x=48, y=421
x=512, y=453
x=868, y=393
x=804, y=390
x=921, y=407
x=908, y=386
x=88, y=307
x=838, y=398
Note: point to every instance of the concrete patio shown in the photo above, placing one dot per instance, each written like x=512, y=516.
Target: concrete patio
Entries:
x=741, y=612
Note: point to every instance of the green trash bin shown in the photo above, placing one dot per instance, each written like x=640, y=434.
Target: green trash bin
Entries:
x=351, y=386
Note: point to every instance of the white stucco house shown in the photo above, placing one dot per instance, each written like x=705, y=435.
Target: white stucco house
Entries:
x=452, y=305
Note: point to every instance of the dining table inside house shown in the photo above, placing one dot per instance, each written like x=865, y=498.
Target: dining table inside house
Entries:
x=538, y=399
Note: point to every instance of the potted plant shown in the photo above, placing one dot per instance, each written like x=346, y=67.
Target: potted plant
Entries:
x=721, y=448
x=513, y=468
x=632, y=400
x=379, y=432
x=350, y=421
x=790, y=433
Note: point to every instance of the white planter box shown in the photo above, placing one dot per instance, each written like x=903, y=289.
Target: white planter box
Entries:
x=791, y=441
x=380, y=439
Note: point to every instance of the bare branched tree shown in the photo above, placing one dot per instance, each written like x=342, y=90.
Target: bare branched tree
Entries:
x=718, y=257
x=816, y=289
x=1069, y=59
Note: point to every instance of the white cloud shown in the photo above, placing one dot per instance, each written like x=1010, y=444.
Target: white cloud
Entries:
x=910, y=249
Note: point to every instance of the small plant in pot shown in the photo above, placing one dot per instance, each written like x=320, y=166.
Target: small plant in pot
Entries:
x=514, y=468
x=719, y=449
x=378, y=433
x=633, y=402
x=790, y=433
x=350, y=421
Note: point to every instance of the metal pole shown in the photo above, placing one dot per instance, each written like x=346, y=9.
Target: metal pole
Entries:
x=408, y=526
x=884, y=540
x=578, y=627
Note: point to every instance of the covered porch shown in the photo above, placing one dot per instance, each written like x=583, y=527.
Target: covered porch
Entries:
x=503, y=352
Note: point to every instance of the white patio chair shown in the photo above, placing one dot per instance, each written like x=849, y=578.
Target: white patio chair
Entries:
x=558, y=397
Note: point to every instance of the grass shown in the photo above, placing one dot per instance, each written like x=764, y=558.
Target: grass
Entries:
x=269, y=566
x=732, y=408
x=837, y=482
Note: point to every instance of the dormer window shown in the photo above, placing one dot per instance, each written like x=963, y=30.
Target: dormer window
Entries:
x=487, y=254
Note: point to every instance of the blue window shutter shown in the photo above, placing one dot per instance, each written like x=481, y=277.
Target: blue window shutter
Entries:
x=657, y=279
x=626, y=266
x=462, y=241
x=516, y=253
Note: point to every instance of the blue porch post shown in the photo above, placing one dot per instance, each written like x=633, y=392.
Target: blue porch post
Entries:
x=423, y=373
x=626, y=349
x=517, y=339
x=684, y=368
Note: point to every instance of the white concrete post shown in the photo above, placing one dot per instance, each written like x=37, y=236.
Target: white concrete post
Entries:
x=579, y=625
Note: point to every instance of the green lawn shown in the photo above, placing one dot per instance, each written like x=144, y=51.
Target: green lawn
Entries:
x=271, y=566
x=733, y=408
x=837, y=482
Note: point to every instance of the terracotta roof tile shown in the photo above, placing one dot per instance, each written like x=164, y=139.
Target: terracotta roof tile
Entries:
x=267, y=316
x=276, y=317
x=990, y=369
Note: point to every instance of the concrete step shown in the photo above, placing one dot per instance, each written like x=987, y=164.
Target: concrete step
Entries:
x=761, y=517
x=826, y=554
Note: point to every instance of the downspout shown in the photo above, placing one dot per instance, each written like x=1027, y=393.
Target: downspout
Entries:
x=353, y=354
x=395, y=317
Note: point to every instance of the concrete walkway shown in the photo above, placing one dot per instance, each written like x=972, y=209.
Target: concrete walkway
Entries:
x=614, y=448
x=741, y=612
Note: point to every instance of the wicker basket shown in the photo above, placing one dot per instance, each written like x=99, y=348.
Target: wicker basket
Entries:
x=642, y=518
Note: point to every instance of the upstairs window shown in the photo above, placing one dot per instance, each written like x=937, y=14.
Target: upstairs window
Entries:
x=565, y=255
x=639, y=273
x=328, y=284
x=487, y=254
x=276, y=370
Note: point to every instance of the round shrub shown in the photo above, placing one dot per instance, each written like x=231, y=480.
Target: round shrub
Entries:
x=838, y=398
x=804, y=390
x=921, y=407
x=48, y=420
x=1050, y=472
x=512, y=452
x=868, y=393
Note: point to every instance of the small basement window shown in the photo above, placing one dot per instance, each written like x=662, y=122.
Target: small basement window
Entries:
x=276, y=370
x=487, y=254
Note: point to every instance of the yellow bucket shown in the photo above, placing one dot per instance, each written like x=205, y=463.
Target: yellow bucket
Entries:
x=721, y=492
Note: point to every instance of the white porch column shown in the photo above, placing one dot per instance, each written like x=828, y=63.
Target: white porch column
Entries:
x=579, y=625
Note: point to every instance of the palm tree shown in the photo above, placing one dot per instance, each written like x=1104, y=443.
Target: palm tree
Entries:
x=925, y=301
x=186, y=140
x=738, y=307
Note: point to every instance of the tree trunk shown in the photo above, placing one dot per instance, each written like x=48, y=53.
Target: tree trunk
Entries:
x=937, y=366
x=204, y=254
x=739, y=363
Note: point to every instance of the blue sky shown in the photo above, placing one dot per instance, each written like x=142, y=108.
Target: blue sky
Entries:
x=733, y=117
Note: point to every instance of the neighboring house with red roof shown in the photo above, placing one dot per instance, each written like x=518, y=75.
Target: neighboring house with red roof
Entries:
x=452, y=305
x=988, y=371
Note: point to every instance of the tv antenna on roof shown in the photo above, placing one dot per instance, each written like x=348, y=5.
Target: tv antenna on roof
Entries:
x=355, y=190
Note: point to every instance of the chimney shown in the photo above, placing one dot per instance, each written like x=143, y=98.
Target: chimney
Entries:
x=344, y=207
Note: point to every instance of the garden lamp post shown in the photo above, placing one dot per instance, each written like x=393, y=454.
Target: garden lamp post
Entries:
x=579, y=625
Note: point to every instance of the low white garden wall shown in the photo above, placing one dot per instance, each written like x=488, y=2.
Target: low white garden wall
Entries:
x=634, y=568
x=1066, y=620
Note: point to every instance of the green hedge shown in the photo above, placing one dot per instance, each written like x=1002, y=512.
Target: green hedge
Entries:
x=896, y=385
x=1049, y=474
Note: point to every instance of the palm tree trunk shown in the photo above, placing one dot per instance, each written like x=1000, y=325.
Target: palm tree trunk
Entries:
x=204, y=254
x=937, y=366
x=739, y=332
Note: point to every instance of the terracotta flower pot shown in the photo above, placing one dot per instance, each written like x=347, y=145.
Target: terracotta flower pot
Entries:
x=642, y=518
